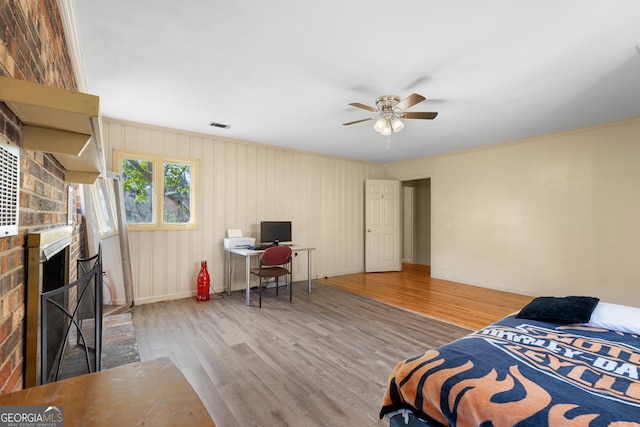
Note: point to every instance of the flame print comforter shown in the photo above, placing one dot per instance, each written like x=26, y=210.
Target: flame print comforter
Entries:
x=525, y=373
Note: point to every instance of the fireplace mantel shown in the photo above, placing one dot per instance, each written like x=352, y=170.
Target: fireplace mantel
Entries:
x=50, y=241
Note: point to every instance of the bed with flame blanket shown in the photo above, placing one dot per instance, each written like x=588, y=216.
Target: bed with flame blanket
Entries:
x=525, y=373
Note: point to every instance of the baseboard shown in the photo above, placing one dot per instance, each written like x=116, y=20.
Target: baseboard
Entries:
x=169, y=297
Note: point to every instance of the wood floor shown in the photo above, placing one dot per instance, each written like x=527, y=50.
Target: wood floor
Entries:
x=414, y=289
x=322, y=360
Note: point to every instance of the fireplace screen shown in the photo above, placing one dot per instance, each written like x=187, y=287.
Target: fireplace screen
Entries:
x=71, y=339
x=63, y=320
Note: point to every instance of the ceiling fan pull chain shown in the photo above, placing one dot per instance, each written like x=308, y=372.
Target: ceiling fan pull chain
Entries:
x=388, y=141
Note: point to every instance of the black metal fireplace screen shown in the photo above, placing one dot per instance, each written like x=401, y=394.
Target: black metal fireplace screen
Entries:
x=78, y=323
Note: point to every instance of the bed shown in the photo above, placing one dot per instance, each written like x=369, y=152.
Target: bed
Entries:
x=559, y=361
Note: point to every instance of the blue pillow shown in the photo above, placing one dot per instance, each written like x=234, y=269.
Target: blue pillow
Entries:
x=573, y=309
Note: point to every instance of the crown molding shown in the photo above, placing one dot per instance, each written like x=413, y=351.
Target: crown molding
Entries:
x=67, y=15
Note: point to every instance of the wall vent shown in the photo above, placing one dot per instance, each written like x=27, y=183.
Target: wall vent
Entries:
x=9, y=187
x=219, y=125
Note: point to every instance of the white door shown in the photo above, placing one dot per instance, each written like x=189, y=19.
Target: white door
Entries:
x=382, y=225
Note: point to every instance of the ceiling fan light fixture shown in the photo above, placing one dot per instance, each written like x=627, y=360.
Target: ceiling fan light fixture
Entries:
x=380, y=124
x=396, y=124
x=389, y=112
x=387, y=129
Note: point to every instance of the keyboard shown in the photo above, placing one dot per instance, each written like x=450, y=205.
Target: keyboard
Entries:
x=261, y=247
x=264, y=247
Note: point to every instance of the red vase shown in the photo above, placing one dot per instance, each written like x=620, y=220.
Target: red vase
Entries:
x=203, y=282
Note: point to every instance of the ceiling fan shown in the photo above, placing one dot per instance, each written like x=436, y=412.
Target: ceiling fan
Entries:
x=390, y=110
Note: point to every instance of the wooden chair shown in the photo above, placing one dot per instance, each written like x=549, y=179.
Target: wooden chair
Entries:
x=274, y=262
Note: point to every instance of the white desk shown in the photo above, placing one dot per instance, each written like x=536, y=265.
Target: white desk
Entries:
x=249, y=253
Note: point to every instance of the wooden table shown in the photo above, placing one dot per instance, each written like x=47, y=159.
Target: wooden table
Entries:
x=151, y=393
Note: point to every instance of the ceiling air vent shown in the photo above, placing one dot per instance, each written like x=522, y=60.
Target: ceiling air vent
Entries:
x=219, y=125
x=9, y=187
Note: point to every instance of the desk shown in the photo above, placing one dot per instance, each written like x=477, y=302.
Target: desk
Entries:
x=153, y=393
x=248, y=253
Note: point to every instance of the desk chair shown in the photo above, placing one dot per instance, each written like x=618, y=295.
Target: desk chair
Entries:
x=274, y=262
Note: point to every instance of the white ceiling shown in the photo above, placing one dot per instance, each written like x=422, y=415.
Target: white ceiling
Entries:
x=282, y=72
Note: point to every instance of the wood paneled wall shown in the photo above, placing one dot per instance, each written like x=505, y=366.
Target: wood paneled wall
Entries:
x=240, y=184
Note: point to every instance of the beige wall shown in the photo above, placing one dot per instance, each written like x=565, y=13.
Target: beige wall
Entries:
x=242, y=183
x=552, y=215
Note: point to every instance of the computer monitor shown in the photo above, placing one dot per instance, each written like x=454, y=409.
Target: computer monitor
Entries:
x=275, y=231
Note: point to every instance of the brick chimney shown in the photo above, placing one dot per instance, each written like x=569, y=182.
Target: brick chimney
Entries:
x=32, y=48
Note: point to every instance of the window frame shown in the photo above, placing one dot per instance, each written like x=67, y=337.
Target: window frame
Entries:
x=159, y=161
x=103, y=201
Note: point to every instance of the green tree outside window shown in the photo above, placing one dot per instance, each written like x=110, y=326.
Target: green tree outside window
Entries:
x=137, y=185
x=177, y=191
x=141, y=179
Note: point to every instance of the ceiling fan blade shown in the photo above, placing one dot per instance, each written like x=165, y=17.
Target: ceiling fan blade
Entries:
x=358, y=121
x=409, y=101
x=423, y=115
x=364, y=107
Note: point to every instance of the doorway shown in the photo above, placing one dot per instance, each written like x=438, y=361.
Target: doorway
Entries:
x=416, y=222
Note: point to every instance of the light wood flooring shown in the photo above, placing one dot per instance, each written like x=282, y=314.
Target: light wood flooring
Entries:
x=322, y=360
x=413, y=289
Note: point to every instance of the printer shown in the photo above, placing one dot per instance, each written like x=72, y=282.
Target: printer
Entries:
x=235, y=240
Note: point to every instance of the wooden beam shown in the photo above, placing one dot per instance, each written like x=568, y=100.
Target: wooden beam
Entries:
x=81, y=177
x=62, y=122
x=29, y=94
x=54, y=141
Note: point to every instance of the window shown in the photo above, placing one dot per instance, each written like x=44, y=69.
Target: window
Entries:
x=104, y=207
x=159, y=192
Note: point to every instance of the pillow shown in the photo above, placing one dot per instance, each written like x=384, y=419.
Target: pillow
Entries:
x=615, y=317
x=559, y=310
